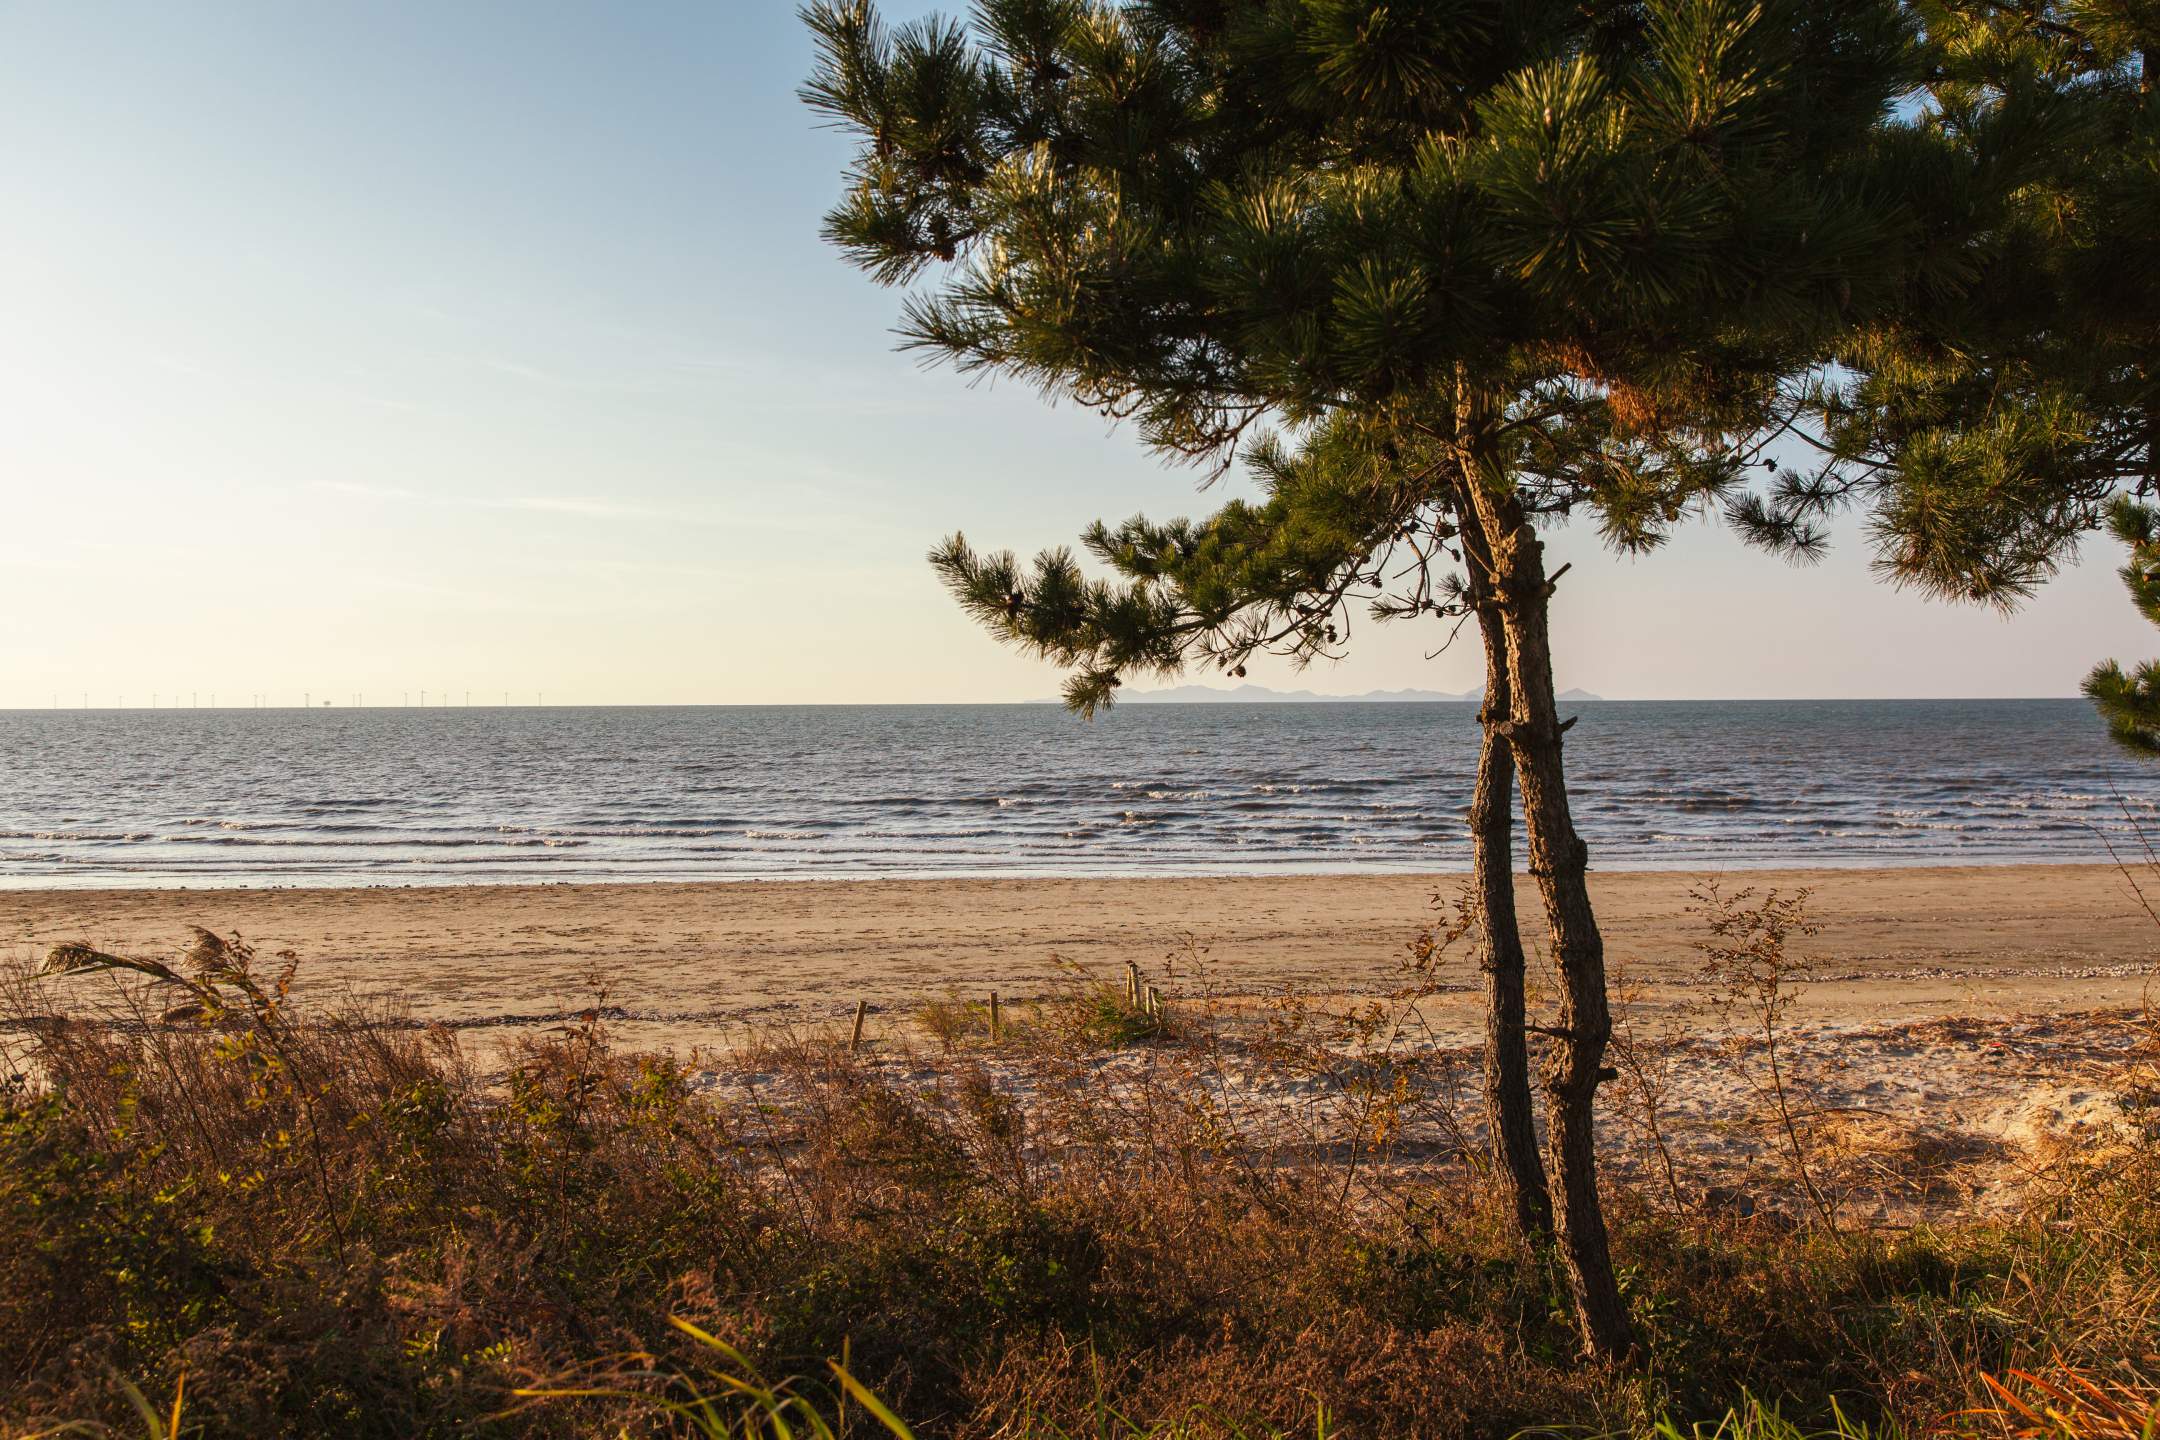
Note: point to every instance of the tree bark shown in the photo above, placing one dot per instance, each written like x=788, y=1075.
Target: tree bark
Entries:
x=1500, y=950
x=1559, y=862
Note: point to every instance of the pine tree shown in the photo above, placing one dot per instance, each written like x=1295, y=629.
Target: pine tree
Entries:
x=1989, y=421
x=2012, y=404
x=1441, y=274
x=2130, y=703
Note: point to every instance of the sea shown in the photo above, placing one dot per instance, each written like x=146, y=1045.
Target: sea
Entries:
x=437, y=796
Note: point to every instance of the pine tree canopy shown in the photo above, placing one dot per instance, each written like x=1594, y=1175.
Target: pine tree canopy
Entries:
x=1990, y=419
x=1600, y=256
x=2130, y=703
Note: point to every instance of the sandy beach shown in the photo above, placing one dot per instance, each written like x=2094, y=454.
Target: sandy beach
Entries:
x=688, y=963
x=1983, y=1013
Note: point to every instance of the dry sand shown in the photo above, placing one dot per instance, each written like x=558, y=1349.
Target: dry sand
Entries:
x=692, y=961
x=1960, y=1025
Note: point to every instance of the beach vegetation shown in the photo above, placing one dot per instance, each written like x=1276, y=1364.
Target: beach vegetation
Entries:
x=1078, y=1009
x=1752, y=977
x=337, y=1221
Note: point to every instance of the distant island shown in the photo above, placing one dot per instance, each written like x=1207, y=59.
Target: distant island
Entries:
x=1261, y=694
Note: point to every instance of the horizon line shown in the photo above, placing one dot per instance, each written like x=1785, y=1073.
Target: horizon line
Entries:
x=1289, y=698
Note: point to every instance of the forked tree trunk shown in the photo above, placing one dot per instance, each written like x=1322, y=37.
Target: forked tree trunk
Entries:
x=1500, y=949
x=1559, y=862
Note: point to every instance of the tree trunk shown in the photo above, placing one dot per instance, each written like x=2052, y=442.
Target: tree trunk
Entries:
x=1559, y=862
x=1500, y=950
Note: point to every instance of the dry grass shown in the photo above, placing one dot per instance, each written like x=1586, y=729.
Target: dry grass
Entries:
x=2070, y=1405
x=332, y=1225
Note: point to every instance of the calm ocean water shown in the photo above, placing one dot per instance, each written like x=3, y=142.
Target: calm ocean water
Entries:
x=409, y=796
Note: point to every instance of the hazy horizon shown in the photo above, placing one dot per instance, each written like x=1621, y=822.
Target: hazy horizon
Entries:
x=1363, y=697
x=495, y=347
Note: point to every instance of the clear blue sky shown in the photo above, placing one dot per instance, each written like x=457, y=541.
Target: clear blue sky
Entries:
x=379, y=347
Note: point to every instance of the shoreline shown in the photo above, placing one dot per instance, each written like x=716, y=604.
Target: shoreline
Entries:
x=689, y=963
x=12, y=885
x=1143, y=697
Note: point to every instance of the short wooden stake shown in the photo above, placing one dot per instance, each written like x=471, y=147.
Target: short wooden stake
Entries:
x=1154, y=1002
x=995, y=1022
x=1132, y=985
x=854, y=1043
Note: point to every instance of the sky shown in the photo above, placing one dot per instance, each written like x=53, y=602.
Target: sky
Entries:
x=490, y=349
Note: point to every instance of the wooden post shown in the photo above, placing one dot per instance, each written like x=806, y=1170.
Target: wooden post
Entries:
x=995, y=1024
x=862, y=1008
x=1154, y=1003
x=1132, y=985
